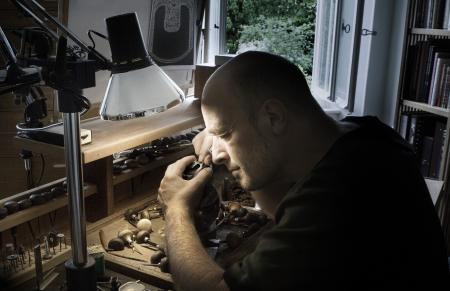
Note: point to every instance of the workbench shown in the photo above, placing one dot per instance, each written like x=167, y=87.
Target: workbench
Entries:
x=109, y=137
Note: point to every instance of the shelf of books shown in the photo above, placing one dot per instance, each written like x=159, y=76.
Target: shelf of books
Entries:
x=427, y=134
x=430, y=14
x=424, y=115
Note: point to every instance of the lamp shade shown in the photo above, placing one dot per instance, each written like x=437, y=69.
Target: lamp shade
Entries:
x=137, y=86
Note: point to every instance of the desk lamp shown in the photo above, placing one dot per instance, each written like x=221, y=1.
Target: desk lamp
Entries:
x=137, y=86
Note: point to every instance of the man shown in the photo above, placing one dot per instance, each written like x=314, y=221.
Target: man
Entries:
x=351, y=209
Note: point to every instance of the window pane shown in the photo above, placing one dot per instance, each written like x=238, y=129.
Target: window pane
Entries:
x=345, y=54
x=282, y=27
x=324, y=45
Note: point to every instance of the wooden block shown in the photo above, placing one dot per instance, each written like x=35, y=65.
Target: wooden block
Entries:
x=101, y=173
x=202, y=74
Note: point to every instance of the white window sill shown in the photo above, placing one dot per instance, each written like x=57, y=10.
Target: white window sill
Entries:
x=331, y=108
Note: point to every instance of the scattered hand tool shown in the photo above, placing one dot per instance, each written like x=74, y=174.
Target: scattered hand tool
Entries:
x=101, y=234
x=127, y=236
x=163, y=265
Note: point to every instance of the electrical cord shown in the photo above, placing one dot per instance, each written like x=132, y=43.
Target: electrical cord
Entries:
x=96, y=33
x=30, y=182
x=42, y=170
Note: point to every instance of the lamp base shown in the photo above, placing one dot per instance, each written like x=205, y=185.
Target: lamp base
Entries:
x=81, y=278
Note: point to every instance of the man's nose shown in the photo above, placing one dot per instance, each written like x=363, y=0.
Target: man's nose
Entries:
x=218, y=153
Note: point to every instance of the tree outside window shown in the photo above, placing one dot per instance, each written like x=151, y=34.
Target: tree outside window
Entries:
x=283, y=27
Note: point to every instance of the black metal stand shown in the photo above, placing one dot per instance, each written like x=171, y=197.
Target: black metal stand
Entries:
x=80, y=278
x=80, y=269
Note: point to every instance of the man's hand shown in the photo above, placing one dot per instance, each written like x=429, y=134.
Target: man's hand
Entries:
x=190, y=264
x=175, y=192
x=202, y=144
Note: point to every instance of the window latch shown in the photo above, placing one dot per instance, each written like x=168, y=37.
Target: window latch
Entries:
x=365, y=32
x=346, y=27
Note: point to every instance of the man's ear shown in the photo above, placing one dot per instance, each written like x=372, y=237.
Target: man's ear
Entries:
x=274, y=115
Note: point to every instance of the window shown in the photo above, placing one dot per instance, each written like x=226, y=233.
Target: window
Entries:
x=336, y=50
x=282, y=27
x=324, y=47
x=321, y=36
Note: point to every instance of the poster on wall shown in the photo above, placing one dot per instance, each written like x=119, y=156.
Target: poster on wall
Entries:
x=171, y=34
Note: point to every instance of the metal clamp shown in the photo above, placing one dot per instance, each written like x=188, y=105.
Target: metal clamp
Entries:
x=365, y=32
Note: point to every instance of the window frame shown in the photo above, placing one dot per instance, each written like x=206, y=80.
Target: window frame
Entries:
x=355, y=27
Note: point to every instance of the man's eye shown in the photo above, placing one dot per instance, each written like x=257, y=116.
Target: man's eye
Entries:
x=226, y=136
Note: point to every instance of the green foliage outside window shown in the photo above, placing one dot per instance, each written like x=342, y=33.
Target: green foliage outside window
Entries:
x=283, y=27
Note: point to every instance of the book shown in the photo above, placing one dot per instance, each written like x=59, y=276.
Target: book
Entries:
x=445, y=87
x=434, y=47
x=429, y=14
x=440, y=133
x=420, y=68
x=412, y=130
x=445, y=21
x=409, y=91
x=440, y=62
x=425, y=157
x=404, y=125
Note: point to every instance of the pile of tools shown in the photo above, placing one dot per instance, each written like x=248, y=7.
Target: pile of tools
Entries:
x=141, y=220
x=17, y=260
x=137, y=157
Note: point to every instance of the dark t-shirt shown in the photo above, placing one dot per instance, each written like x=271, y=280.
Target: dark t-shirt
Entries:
x=362, y=219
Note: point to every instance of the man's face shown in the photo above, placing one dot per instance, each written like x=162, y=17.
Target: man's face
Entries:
x=239, y=146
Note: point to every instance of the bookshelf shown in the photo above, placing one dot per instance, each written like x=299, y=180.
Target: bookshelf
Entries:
x=444, y=112
x=423, y=116
x=423, y=112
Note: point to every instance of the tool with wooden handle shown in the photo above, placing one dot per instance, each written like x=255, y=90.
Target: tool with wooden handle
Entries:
x=101, y=234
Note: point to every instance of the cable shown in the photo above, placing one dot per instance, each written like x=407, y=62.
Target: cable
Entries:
x=42, y=170
x=52, y=222
x=30, y=183
x=96, y=33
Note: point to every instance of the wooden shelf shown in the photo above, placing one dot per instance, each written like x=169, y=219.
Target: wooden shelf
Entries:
x=158, y=162
x=431, y=31
x=109, y=137
x=39, y=210
x=444, y=112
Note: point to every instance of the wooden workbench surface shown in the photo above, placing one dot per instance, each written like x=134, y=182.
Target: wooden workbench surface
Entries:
x=109, y=137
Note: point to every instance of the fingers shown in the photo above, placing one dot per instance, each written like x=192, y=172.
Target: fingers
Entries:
x=179, y=166
x=204, y=151
x=208, y=160
x=202, y=143
x=203, y=176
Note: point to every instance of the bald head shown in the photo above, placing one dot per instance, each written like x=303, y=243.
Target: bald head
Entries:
x=253, y=77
